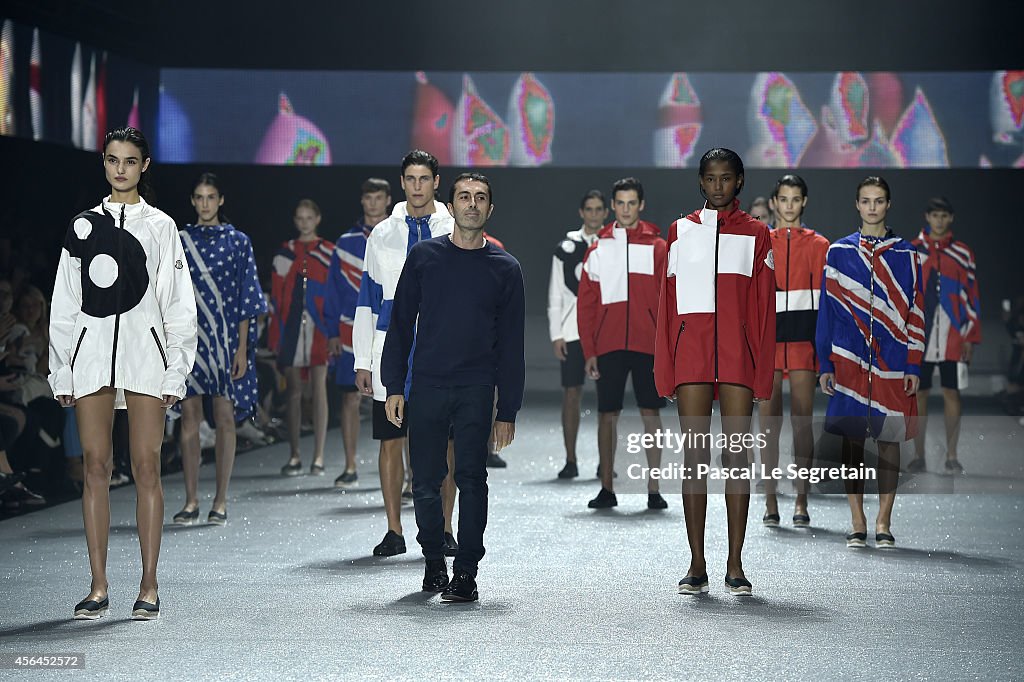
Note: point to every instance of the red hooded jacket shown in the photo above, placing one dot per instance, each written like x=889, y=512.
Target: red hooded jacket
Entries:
x=716, y=318
x=617, y=302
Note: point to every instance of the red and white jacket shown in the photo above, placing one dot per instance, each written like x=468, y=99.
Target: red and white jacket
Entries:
x=952, y=307
x=799, y=264
x=716, y=318
x=618, y=293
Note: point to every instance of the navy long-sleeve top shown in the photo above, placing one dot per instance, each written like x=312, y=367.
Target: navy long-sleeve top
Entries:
x=470, y=305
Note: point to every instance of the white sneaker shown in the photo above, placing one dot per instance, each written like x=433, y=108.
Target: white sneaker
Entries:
x=207, y=435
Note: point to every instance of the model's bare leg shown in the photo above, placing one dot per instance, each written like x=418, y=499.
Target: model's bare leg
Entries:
x=226, y=444
x=853, y=456
x=188, y=443
x=652, y=423
x=802, y=384
x=293, y=380
x=146, y=429
x=607, y=435
x=448, y=490
x=693, y=403
x=922, y=423
x=951, y=398
x=571, y=399
x=95, y=415
x=391, y=477
x=769, y=415
x=737, y=405
x=888, y=479
x=318, y=393
x=350, y=426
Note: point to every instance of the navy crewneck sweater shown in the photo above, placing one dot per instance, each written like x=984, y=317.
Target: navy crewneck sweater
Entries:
x=471, y=308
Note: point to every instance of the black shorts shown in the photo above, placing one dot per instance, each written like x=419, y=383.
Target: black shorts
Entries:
x=572, y=366
x=947, y=375
x=611, y=387
x=385, y=430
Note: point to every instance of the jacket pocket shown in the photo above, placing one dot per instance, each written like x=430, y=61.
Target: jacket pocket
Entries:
x=750, y=350
x=679, y=337
x=78, y=347
x=159, y=347
x=597, y=334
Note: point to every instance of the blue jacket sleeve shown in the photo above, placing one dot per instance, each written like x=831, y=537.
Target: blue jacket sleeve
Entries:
x=334, y=297
x=823, y=330
x=398, y=342
x=511, y=370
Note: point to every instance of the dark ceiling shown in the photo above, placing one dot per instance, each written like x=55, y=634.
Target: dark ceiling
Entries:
x=597, y=35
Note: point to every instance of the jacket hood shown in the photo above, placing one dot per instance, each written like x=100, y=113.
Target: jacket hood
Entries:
x=131, y=211
x=642, y=228
x=926, y=236
x=401, y=210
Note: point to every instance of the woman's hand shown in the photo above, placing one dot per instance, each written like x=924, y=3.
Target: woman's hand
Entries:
x=66, y=400
x=169, y=401
x=240, y=365
x=828, y=383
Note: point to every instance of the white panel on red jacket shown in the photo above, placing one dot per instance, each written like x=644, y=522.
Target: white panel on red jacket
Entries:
x=691, y=260
x=608, y=262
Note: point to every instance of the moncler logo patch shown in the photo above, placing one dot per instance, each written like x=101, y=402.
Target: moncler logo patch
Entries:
x=770, y=260
x=178, y=264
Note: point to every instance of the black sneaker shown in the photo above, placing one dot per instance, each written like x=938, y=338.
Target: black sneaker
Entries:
x=953, y=467
x=19, y=496
x=494, y=461
x=569, y=471
x=407, y=495
x=604, y=500
x=348, y=479
x=462, y=588
x=916, y=466
x=8, y=481
x=656, y=501
x=451, y=547
x=392, y=544
x=292, y=469
x=435, y=575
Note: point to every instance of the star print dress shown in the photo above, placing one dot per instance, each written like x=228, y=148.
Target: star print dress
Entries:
x=227, y=291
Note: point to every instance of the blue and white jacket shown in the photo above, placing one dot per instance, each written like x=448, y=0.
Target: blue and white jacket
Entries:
x=386, y=249
x=343, y=282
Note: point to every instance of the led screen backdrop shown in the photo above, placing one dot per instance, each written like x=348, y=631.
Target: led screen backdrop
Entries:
x=57, y=90
x=775, y=120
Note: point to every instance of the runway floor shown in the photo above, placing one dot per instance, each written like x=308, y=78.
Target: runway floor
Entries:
x=289, y=590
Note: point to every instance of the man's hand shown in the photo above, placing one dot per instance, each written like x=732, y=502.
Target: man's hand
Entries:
x=504, y=432
x=967, y=352
x=334, y=346
x=591, y=368
x=169, y=401
x=394, y=408
x=66, y=400
x=828, y=383
x=240, y=365
x=364, y=381
x=560, y=350
x=910, y=383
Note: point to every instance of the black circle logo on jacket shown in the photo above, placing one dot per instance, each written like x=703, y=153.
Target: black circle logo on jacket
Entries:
x=114, y=275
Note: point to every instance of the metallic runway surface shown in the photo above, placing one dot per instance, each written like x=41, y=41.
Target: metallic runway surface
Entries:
x=288, y=590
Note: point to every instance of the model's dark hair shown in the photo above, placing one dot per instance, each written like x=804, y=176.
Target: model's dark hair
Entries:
x=757, y=201
x=593, y=194
x=310, y=204
x=874, y=181
x=626, y=184
x=134, y=136
x=418, y=157
x=790, y=180
x=213, y=181
x=722, y=154
x=939, y=204
x=479, y=177
x=371, y=185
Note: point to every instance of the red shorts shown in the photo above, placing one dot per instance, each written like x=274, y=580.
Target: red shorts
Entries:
x=795, y=355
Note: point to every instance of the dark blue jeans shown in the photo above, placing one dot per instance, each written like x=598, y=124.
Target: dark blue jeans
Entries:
x=468, y=409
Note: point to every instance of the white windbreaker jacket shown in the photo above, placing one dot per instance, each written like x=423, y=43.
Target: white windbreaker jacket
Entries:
x=566, y=269
x=124, y=311
x=386, y=249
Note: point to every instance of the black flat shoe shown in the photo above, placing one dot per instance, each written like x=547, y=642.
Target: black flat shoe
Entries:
x=656, y=501
x=435, y=576
x=604, y=500
x=186, y=518
x=801, y=521
x=740, y=587
x=856, y=540
x=884, y=541
x=771, y=520
x=694, y=584
x=216, y=518
x=91, y=609
x=451, y=547
x=392, y=544
x=570, y=470
x=462, y=588
x=144, y=610
x=292, y=469
x=316, y=470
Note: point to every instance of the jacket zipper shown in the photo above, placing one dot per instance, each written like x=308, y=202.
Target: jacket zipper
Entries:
x=305, y=277
x=627, y=289
x=871, y=336
x=718, y=232
x=679, y=336
x=117, y=315
x=785, y=344
x=814, y=347
x=163, y=355
x=78, y=347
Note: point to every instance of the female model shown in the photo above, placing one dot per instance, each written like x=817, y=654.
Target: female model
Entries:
x=229, y=298
x=716, y=339
x=298, y=332
x=870, y=340
x=122, y=335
